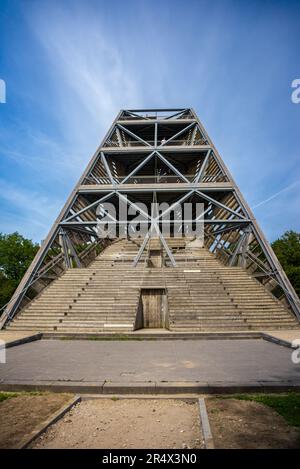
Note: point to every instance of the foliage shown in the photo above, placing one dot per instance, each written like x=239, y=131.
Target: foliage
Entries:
x=287, y=249
x=16, y=254
x=9, y=395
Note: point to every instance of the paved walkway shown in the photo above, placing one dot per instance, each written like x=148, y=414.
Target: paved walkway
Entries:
x=208, y=362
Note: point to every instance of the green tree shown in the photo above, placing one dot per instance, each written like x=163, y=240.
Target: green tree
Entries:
x=287, y=249
x=16, y=254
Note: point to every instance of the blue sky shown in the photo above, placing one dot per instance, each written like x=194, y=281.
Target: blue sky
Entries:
x=69, y=66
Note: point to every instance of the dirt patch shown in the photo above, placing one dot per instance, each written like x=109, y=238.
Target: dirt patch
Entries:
x=247, y=424
x=126, y=423
x=20, y=415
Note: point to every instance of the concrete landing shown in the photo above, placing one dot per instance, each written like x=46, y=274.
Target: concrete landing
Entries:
x=283, y=337
x=154, y=334
x=12, y=338
x=155, y=367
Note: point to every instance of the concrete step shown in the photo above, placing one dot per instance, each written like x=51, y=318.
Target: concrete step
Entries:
x=202, y=295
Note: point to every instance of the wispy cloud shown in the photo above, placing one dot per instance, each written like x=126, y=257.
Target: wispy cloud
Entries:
x=29, y=206
x=87, y=67
x=86, y=60
x=274, y=196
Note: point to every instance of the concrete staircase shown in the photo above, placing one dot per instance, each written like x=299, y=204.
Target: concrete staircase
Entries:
x=224, y=299
x=203, y=295
x=100, y=298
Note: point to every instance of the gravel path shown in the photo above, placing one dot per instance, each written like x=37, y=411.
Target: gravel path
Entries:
x=126, y=423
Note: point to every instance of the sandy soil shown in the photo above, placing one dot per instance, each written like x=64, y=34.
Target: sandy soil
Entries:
x=126, y=423
x=20, y=415
x=246, y=424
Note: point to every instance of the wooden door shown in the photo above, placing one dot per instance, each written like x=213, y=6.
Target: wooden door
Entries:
x=153, y=311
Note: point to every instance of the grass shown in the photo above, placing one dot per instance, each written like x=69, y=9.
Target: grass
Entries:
x=8, y=395
x=287, y=405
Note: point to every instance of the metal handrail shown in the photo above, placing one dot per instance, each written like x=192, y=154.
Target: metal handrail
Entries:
x=158, y=178
x=33, y=281
x=271, y=276
x=151, y=117
x=175, y=142
x=42, y=272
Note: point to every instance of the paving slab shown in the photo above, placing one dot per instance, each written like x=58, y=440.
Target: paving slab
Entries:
x=180, y=364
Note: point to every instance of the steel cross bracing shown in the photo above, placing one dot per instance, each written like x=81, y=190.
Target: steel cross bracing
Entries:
x=166, y=154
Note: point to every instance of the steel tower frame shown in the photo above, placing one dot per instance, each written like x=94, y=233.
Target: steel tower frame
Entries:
x=184, y=165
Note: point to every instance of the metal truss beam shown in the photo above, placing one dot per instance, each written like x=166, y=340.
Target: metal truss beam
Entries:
x=133, y=135
x=107, y=168
x=176, y=135
x=208, y=221
x=176, y=114
x=203, y=167
x=137, y=169
x=178, y=173
x=26, y=281
x=159, y=187
x=219, y=204
x=88, y=207
x=166, y=148
x=220, y=222
x=268, y=251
